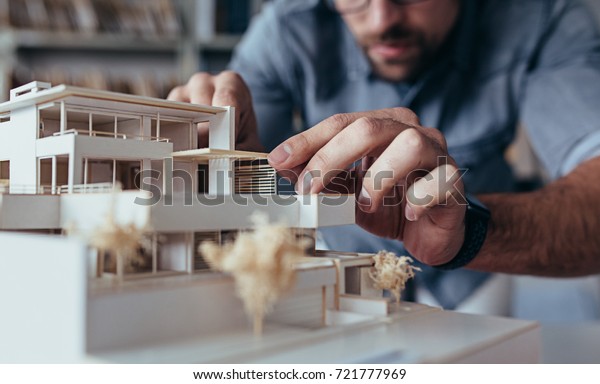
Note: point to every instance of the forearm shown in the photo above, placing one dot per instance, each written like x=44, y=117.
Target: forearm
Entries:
x=551, y=232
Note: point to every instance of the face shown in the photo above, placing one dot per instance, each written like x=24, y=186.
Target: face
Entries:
x=400, y=40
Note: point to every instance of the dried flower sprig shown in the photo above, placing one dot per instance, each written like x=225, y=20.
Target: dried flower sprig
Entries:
x=392, y=272
x=262, y=264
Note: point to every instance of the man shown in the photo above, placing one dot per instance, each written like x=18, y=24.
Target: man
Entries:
x=471, y=69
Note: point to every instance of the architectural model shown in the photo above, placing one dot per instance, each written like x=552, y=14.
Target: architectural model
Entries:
x=104, y=203
x=74, y=160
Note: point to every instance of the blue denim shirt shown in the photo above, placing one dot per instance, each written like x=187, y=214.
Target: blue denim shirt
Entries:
x=535, y=62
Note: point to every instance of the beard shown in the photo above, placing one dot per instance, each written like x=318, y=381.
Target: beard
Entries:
x=398, y=54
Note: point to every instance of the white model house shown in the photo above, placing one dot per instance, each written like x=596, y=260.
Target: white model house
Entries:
x=64, y=149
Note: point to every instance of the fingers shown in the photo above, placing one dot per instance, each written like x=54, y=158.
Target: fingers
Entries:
x=230, y=90
x=441, y=187
x=345, y=183
x=224, y=89
x=201, y=88
x=179, y=93
x=302, y=147
x=365, y=136
x=334, y=144
x=410, y=154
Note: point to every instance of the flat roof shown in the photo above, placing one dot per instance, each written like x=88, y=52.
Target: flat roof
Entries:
x=101, y=98
x=204, y=154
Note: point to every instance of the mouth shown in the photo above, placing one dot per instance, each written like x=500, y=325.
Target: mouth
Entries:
x=396, y=50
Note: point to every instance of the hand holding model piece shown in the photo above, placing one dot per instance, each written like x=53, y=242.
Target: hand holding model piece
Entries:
x=411, y=188
x=396, y=152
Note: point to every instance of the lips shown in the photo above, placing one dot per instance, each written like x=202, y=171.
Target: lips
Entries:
x=391, y=51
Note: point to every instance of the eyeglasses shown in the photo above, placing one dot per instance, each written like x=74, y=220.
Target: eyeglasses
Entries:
x=355, y=6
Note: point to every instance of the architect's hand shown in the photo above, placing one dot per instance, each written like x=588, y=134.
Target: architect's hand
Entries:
x=396, y=153
x=224, y=89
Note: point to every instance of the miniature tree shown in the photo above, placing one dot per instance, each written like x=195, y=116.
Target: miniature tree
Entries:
x=123, y=241
x=262, y=264
x=392, y=272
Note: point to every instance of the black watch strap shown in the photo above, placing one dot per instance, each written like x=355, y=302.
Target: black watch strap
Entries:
x=476, y=224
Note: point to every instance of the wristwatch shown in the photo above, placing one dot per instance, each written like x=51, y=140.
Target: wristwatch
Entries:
x=477, y=218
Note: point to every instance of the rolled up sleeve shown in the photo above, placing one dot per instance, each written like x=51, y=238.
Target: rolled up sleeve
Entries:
x=561, y=106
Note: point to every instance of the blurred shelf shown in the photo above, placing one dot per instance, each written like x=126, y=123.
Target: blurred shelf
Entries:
x=109, y=41
x=30, y=39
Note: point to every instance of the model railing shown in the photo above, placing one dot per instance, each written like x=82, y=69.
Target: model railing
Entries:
x=21, y=189
x=116, y=135
x=89, y=188
x=57, y=190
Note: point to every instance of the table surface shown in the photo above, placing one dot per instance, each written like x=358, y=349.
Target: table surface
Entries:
x=421, y=334
x=572, y=343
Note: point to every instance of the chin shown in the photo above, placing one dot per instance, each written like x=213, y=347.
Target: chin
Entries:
x=394, y=74
x=396, y=71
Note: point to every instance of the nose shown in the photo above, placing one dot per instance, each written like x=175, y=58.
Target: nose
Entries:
x=382, y=14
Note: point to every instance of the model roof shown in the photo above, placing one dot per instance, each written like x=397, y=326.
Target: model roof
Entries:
x=102, y=99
